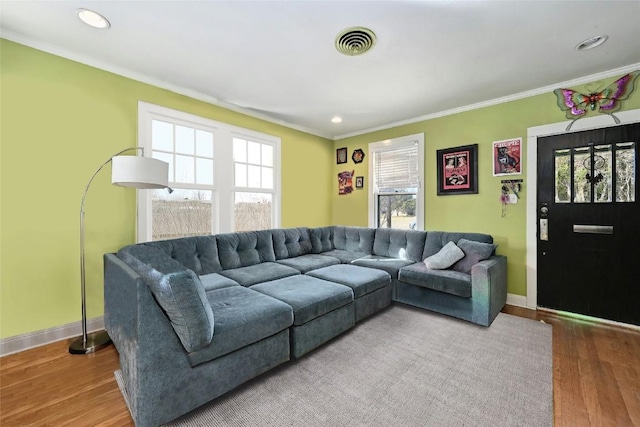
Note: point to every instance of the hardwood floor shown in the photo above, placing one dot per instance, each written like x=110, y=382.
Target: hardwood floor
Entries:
x=596, y=380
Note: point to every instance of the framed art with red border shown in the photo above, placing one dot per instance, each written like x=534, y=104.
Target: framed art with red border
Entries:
x=507, y=156
x=457, y=170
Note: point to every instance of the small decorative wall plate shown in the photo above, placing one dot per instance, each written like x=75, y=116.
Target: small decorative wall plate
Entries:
x=357, y=156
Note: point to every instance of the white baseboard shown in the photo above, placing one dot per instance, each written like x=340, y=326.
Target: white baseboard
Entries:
x=517, y=300
x=47, y=336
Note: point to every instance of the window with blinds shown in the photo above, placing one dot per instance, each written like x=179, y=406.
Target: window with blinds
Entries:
x=396, y=170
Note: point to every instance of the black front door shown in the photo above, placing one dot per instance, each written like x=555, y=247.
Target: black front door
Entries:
x=589, y=223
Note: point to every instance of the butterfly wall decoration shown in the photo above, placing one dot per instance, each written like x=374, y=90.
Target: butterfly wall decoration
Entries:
x=607, y=101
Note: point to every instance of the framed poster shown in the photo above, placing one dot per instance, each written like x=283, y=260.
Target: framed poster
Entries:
x=507, y=157
x=341, y=155
x=359, y=181
x=458, y=170
x=345, y=182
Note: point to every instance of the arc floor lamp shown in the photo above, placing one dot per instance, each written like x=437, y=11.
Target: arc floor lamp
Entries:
x=126, y=171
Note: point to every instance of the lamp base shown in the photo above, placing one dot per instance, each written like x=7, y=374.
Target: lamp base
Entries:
x=95, y=341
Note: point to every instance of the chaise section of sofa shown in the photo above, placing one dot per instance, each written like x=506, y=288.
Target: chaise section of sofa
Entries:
x=161, y=378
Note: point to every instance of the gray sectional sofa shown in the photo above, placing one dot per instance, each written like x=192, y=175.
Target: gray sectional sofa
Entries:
x=193, y=318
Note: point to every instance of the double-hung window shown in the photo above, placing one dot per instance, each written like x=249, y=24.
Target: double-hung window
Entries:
x=396, y=168
x=223, y=178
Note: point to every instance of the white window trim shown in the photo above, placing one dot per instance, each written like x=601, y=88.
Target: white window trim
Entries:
x=392, y=144
x=223, y=188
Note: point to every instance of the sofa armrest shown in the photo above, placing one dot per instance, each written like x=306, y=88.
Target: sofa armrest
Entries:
x=488, y=288
x=144, y=338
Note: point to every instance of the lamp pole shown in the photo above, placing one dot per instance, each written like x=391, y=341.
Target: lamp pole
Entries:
x=90, y=343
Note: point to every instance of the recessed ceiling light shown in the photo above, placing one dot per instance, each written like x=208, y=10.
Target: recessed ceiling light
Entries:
x=592, y=42
x=93, y=19
x=336, y=119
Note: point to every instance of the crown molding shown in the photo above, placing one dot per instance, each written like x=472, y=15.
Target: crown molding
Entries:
x=143, y=78
x=49, y=48
x=496, y=101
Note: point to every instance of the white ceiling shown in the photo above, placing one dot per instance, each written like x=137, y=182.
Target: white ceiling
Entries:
x=277, y=60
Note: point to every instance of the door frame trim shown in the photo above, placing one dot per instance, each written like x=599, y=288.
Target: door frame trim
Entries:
x=533, y=133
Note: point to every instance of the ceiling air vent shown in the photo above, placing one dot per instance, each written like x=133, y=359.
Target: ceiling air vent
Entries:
x=355, y=41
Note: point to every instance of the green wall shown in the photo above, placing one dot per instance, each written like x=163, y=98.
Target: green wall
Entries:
x=479, y=212
x=60, y=121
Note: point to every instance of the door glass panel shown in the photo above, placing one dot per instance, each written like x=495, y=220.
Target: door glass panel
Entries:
x=581, y=186
x=563, y=176
x=397, y=211
x=601, y=174
x=625, y=172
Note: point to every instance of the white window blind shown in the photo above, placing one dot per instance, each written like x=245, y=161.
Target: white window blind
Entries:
x=396, y=169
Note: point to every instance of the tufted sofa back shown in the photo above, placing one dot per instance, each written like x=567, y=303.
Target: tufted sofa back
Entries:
x=291, y=242
x=354, y=239
x=402, y=244
x=321, y=239
x=437, y=239
x=237, y=250
x=199, y=253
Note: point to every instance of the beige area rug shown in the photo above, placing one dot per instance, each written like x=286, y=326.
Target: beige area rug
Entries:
x=403, y=367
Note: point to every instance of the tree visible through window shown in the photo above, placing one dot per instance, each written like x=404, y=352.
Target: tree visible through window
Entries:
x=596, y=174
x=396, y=170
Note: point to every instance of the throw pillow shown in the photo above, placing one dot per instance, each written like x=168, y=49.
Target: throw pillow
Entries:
x=445, y=258
x=474, y=252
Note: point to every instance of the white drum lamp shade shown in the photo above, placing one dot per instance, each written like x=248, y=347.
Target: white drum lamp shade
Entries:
x=139, y=172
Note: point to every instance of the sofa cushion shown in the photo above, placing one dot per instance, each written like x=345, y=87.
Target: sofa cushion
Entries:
x=237, y=250
x=362, y=280
x=214, y=281
x=291, y=242
x=401, y=244
x=243, y=317
x=309, y=262
x=445, y=258
x=474, y=252
x=178, y=291
x=354, y=239
x=345, y=257
x=309, y=297
x=390, y=265
x=437, y=239
x=258, y=273
x=451, y=282
x=199, y=253
x=321, y=239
